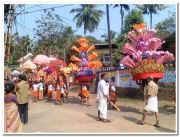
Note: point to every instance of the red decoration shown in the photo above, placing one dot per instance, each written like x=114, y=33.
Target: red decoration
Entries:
x=147, y=75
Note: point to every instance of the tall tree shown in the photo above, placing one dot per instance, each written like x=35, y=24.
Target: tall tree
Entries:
x=109, y=34
x=48, y=34
x=19, y=48
x=6, y=12
x=105, y=36
x=123, y=7
x=87, y=16
x=134, y=17
x=167, y=26
x=151, y=9
x=67, y=39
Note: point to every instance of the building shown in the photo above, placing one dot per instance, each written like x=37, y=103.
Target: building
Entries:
x=22, y=60
x=103, y=52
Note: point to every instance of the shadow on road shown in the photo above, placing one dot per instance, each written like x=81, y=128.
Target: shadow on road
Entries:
x=167, y=111
x=92, y=116
x=129, y=109
x=163, y=129
x=131, y=119
x=73, y=100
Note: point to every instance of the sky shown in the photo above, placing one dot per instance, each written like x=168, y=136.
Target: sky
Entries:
x=26, y=22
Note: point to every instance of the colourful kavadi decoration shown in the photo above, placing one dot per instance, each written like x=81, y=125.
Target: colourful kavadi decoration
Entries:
x=84, y=66
x=144, y=56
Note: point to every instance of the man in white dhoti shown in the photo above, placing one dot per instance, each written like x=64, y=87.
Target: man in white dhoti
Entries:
x=102, y=98
x=152, y=102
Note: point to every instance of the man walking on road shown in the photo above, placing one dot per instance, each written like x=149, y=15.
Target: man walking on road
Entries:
x=102, y=97
x=152, y=102
x=22, y=92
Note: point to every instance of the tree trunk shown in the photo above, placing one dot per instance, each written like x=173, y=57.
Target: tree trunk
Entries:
x=122, y=16
x=109, y=34
x=150, y=20
x=85, y=30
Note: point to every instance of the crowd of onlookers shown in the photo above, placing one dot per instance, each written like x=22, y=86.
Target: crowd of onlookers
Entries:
x=19, y=89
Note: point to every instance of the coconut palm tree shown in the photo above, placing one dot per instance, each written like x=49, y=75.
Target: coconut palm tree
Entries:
x=122, y=8
x=151, y=9
x=109, y=33
x=88, y=16
x=105, y=36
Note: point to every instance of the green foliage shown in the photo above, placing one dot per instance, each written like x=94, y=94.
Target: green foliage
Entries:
x=52, y=36
x=167, y=26
x=20, y=46
x=113, y=36
x=120, y=41
x=6, y=11
x=123, y=7
x=88, y=17
x=93, y=40
x=151, y=9
x=134, y=17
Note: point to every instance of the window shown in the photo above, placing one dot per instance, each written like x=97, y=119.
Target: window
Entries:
x=106, y=58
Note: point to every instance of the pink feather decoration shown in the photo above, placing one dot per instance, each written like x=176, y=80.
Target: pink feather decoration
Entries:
x=139, y=56
x=133, y=37
x=128, y=49
x=149, y=34
x=127, y=61
x=154, y=43
x=167, y=57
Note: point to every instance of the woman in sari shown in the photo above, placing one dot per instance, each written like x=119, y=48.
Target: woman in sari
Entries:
x=12, y=121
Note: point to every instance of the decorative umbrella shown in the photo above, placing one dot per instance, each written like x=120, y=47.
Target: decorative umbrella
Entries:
x=29, y=65
x=57, y=64
x=52, y=58
x=41, y=59
x=15, y=73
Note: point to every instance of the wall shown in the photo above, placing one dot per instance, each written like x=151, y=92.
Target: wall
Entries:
x=126, y=87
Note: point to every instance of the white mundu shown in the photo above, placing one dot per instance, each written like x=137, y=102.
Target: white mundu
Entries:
x=102, y=92
x=35, y=87
x=41, y=86
x=50, y=87
x=152, y=102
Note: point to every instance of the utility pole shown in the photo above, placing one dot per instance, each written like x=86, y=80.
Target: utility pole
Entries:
x=9, y=30
x=109, y=34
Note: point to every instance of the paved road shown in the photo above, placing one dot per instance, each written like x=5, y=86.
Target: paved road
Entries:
x=72, y=117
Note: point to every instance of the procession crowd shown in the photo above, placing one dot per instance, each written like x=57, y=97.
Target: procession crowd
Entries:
x=19, y=90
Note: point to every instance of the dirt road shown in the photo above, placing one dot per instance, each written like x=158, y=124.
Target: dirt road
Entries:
x=72, y=117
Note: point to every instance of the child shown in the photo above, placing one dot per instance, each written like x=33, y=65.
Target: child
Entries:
x=35, y=90
x=50, y=90
x=41, y=90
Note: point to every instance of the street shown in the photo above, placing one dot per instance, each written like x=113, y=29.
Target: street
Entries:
x=72, y=117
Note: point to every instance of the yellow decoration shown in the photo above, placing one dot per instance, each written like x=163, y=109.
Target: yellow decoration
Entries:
x=139, y=27
x=148, y=66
